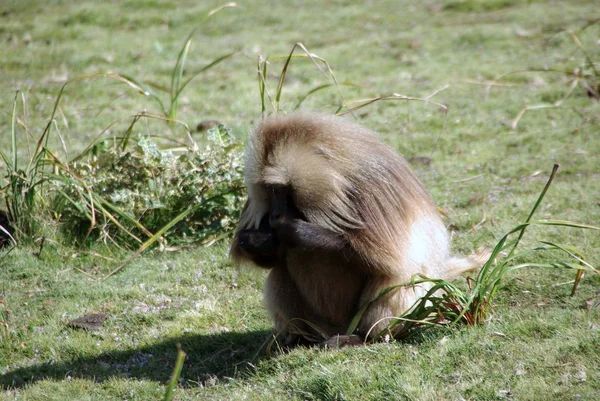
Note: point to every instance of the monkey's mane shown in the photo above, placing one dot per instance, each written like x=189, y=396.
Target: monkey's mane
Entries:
x=342, y=177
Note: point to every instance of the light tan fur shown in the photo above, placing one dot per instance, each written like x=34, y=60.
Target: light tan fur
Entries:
x=345, y=179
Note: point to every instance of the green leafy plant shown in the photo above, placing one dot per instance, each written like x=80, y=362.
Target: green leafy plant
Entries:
x=142, y=189
x=131, y=204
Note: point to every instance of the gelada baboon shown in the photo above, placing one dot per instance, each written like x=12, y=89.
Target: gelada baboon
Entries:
x=337, y=216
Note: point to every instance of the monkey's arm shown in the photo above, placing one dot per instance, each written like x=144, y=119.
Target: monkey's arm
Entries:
x=300, y=233
x=292, y=230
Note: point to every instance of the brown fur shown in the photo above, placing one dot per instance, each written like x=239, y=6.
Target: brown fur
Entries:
x=346, y=180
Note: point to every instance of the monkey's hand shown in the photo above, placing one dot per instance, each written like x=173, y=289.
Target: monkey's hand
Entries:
x=285, y=229
x=257, y=242
x=259, y=246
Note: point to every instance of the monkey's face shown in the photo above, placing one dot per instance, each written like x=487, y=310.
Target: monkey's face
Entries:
x=317, y=177
x=261, y=241
x=283, y=213
x=277, y=229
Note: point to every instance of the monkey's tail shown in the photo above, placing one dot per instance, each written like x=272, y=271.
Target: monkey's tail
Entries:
x=464, y=264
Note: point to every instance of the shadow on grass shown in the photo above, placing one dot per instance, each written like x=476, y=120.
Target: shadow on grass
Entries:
x=208, y=357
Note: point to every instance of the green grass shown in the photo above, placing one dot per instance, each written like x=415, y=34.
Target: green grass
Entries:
x=539, y=342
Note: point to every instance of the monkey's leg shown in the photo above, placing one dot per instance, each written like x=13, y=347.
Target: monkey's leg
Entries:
x=383, y=310
x=285, y=305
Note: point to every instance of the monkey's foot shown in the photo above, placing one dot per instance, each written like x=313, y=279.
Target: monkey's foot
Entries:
x=342, y=341
x=291, y=341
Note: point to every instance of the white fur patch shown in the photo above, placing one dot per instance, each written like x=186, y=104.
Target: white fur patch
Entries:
x=428, y=245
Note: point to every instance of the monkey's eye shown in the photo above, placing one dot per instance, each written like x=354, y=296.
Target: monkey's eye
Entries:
x=277, y=188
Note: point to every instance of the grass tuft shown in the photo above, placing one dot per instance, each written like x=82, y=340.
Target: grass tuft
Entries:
x=23, y=183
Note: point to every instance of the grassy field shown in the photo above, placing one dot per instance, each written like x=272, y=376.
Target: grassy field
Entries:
x=485, y=173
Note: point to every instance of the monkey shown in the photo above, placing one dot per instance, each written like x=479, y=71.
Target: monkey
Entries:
x=336, y=216
x=6, y=230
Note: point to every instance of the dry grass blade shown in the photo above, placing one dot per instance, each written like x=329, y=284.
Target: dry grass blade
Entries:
x=231, y=4
x=152, y=240
x=515, y=121
x=578, y=277
x=589, y=81
x=124, y=140
x=394, y=96
x=588, y=59
x=494, y=82
x=320, y=88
